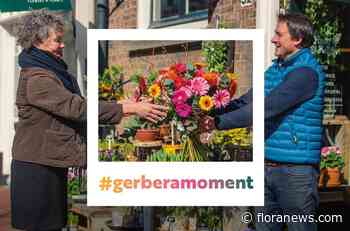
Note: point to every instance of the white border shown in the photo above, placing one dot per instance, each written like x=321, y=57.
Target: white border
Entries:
x=231, y=197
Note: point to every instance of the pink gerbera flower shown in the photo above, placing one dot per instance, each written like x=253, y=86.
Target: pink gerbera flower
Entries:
x=180, y=68
x=187, y=91
x=221, y=98
x=183, y=110
x=199, y=73
x=199, y=86
x=179, y=97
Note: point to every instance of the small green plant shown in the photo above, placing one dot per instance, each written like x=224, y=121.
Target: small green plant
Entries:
x=73, y=184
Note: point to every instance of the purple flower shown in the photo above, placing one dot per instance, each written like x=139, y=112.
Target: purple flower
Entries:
x=183, y=110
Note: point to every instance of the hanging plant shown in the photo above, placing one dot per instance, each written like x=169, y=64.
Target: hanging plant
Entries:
x=215, y=53
x=327, y=27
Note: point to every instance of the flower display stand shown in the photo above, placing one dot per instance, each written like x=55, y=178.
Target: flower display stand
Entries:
x=144, y=149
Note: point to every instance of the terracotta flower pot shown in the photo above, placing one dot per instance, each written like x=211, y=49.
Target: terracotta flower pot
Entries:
x=330, y=177
x=147, y=134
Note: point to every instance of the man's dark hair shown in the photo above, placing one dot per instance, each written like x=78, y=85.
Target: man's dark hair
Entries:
x=299, y=27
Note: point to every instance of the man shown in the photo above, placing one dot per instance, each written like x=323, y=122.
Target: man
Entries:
x=294, y=86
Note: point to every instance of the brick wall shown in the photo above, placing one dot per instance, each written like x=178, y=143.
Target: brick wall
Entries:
x=119, y=54
x=243, y=65
x=125, y=16
x=231, y=15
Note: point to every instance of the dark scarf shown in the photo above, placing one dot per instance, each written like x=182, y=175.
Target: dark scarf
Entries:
x=34, y=57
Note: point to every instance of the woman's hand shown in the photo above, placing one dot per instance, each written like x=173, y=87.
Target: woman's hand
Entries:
x=149, y=111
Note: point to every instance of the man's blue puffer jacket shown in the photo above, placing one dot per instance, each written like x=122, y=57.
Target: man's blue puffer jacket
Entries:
x=296, y=135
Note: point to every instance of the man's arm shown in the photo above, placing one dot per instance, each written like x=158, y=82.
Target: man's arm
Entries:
x=299, y=85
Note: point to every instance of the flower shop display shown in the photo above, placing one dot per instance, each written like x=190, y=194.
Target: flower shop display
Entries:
x=109, y=150
x=331, y=166
x=232, y=145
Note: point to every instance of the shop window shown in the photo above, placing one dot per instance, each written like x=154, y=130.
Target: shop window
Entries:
x=172, y=12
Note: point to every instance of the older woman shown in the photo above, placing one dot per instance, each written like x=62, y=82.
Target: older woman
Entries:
x=50, y=134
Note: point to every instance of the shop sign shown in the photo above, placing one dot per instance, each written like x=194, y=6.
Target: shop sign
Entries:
x=25, y=5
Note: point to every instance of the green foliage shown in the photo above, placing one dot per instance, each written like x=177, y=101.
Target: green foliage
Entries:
x=72, y=219
x=73, y=187
x=327, y=27
x=161, y=155
x=135, y=78
x=237, y=136
x=152, y=76
x=211, y=216
x=215, y=53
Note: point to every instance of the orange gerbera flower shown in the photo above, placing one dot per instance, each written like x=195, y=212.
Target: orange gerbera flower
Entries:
x=172, y=74
x=212, y=78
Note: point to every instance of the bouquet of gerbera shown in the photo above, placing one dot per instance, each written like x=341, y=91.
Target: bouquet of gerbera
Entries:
x=191, y=92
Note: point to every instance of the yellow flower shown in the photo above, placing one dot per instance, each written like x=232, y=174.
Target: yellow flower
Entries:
x=171, y=149
x=154, y=90
x=232, y=75
x=206, y=103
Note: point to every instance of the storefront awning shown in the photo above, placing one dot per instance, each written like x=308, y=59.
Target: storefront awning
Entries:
x=25, y=5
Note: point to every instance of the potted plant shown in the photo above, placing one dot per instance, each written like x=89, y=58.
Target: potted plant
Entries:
x=331, y=165
x=147, y=132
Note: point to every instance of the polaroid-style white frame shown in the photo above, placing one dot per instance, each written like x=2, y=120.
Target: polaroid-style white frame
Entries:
x=177, y=170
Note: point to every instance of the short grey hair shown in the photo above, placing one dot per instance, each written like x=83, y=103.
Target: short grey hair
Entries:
x=34, y=28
